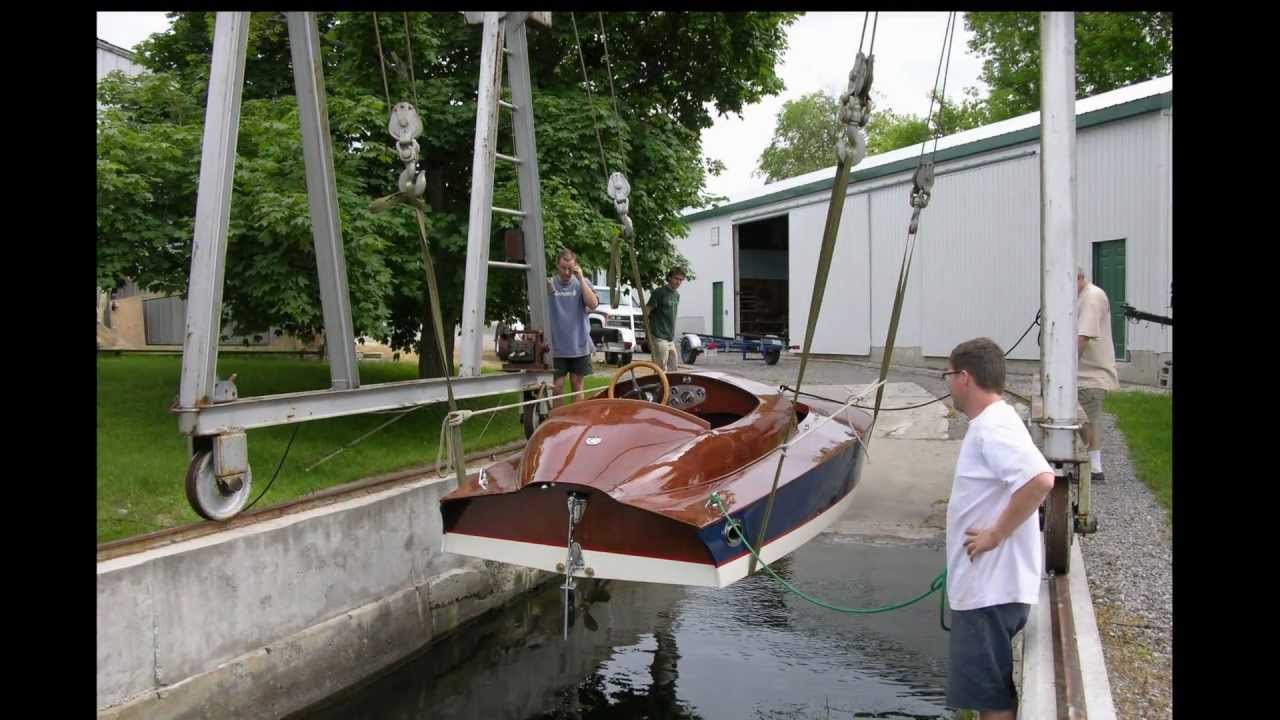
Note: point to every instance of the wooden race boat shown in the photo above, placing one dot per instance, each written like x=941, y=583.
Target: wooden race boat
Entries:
x=617, y=487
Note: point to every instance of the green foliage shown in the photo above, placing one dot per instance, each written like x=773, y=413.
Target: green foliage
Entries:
x=1113, y=49
x=668, y=69
x=1146, y=419
x=804, y=137
x=142, y=460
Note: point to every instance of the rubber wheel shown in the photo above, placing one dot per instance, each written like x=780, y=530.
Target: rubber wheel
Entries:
x=611, y=358
x=1058, y=527
x=531, y=416
x=687, y=355
x=624, y=358
x=771, y=357
x=206, y=497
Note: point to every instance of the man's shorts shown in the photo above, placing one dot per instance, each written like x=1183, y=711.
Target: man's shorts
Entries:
x=981, y=656
x=1091, y=400
x=580, y=365
x=666, y=355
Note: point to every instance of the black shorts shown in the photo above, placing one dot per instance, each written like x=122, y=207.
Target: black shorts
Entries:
x=580, y=365
x=981, y=657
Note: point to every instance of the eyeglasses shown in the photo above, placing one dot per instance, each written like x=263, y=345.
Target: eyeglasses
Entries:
x=947, y=373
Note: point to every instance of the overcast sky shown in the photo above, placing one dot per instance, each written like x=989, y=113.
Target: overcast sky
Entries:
x=820, y=51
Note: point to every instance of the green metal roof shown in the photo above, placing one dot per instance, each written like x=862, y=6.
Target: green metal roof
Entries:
x=1120, y=111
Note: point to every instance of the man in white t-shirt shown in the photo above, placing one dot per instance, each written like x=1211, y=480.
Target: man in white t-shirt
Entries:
x=1097, y=369
x=994, y=552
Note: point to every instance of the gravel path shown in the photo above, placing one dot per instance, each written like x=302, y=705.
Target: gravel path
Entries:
x=1130, y=568
x=1129, y=560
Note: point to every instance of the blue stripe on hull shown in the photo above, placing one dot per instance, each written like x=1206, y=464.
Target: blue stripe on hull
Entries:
x=797, y=502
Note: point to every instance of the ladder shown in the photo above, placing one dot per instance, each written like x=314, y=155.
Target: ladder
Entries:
x=211, y=413
x=504, y=41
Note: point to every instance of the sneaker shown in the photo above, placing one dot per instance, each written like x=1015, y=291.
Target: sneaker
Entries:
x=1098, y=478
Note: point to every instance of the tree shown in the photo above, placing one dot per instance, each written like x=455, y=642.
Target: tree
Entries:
x=807, y=130
x=666, y=68
x=888, y=130
x=1113, y=49
x=804, y=137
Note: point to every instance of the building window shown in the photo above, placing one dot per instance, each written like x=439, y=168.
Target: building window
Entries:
x=715, y=236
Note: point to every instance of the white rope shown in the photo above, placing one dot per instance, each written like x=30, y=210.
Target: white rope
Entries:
x=852, y=399
x=457, y=417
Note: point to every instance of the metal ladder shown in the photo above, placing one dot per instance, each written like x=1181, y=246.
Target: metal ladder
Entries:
x=504, y=39
x=210, y=411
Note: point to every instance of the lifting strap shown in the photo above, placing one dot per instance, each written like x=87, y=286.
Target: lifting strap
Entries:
x=853, y=115
x=921, y=191
x=405, y=127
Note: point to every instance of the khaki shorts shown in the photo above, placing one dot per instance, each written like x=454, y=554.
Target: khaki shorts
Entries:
x=1091, y=401
x=665, y=354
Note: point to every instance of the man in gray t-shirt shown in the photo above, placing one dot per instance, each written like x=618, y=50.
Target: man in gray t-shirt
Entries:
x=570, y=297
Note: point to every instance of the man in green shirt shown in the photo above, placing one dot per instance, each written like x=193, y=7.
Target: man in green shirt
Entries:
x=662, y=304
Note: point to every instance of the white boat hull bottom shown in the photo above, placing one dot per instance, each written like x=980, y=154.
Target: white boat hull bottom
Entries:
x=639, y=568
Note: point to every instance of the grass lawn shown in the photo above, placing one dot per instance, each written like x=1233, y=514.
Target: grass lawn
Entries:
x=142, y=458
x=1146, y=419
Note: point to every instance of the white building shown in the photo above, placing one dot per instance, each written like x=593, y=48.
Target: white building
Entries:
x=976, y=269
x=113, y=57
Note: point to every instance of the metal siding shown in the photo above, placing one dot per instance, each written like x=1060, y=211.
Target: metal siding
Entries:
x=980, y=237
x=1121, y=195
x=890, y=216
x=709, y=264
x=108, y=61
x=976, y=268
x=842, y=327
x=164, y=320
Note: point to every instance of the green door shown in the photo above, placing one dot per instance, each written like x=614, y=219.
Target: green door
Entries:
x=717, y=308
x=1108, y=274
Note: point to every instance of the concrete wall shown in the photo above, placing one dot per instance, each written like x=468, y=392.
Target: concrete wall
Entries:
x=262, y=620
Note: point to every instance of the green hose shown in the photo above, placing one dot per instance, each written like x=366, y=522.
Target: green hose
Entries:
x=939, y=583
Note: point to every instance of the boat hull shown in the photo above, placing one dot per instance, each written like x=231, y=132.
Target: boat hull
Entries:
x=619, y=541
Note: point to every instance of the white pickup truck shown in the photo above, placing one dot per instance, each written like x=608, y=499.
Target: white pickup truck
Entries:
x=617, y=332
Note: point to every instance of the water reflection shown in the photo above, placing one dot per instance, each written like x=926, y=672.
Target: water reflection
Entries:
x=655, y=651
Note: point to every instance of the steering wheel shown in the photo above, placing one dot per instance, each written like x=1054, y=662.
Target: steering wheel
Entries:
x=662, y=377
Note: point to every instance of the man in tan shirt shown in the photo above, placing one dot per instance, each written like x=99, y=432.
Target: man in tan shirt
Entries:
x=1097, y=372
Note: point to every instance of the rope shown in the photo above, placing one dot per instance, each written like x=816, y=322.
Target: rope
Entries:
x=942, y=99
x=1034, y=322
x=362, y=438
x=849, y=402
x=408, y=50
x=934, y=96
x=939, y=583
x=604, y=38
x=604, y=165
x=279, y=465
x=382, y=63
x=909, y=245
x=455, y=418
